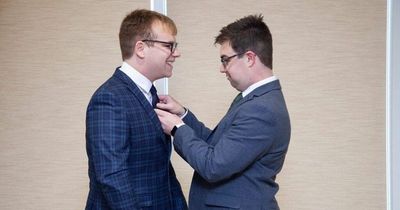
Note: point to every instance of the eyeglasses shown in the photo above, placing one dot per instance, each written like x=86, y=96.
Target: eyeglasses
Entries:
x=225, y=59
x=171, y=45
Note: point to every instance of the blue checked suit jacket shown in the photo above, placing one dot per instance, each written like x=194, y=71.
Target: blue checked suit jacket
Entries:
x=129, y=155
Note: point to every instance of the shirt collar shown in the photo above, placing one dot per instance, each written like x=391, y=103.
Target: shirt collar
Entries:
x=139, y=79
x=258, y=84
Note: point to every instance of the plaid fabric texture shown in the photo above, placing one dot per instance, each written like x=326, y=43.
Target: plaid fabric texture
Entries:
x=129, y=155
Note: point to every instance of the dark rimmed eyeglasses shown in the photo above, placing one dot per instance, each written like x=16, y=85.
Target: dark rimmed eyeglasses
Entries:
x=171, y=45
x=226, y=59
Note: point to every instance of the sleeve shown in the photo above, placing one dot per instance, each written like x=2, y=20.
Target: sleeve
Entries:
x=201, y=130
x=249, y=137
x=108, y=145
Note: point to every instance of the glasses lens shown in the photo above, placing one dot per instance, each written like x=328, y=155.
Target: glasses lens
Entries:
x=173, y=46
x=225, y=60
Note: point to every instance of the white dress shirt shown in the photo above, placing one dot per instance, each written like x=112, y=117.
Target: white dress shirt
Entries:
x=258, y=84
x=141, y=81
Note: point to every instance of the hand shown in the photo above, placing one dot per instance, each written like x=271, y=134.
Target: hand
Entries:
x=168, y=120
x=169, y=104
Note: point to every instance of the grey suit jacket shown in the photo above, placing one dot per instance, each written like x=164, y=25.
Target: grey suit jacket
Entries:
x=237, y=162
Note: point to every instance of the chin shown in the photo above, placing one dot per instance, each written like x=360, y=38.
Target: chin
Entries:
x=168, y=75
x=234, y=85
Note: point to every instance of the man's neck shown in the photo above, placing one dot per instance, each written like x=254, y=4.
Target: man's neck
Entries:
x=139, y=67
x=261, y=74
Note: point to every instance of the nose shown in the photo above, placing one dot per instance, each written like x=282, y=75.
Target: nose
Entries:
x=176, y=53
x=222, y=69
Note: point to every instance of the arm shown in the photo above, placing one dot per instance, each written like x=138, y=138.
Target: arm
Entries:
x=250, y=136
x=169, y=104
x=108, y=146
x=201, y=130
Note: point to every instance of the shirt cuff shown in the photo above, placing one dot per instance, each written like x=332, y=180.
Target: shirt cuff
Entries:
x=179, y=125
x=175, y=128
x=184, y=114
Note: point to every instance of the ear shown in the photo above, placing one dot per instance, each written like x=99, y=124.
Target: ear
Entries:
x=251, y=58
x=140, y=49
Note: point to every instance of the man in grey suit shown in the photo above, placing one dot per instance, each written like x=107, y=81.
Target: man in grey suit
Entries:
x=236, y=163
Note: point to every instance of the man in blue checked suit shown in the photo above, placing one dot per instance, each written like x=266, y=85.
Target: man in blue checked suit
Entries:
x=237, y=162
x=129, y=155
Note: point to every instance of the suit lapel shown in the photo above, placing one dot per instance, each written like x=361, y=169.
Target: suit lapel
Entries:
x=142, y=99
x=264, y=89
x=274, y=85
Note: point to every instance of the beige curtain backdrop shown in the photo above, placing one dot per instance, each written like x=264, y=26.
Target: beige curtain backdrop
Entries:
x=329, y=56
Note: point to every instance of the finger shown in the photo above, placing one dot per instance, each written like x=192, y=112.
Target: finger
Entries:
x=162, y=106
x=163, y=97
x=162, y=113
x=159, y=112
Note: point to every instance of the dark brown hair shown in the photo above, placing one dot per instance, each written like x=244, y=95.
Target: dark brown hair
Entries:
x=249, y=33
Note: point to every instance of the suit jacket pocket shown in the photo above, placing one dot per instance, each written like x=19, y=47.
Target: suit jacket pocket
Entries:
x=222, y=200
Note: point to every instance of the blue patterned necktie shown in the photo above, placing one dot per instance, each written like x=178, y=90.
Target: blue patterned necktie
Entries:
x=154, y=96
x=235, y=101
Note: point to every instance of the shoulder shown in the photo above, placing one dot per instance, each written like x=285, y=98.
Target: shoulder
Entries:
x=110, y=92
x=267, y=106
x=112, y=87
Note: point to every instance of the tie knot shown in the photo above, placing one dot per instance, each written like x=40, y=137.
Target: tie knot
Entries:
x=236, y=100
x=153, y=90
